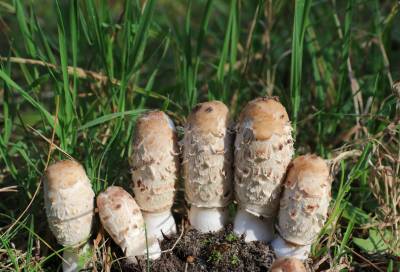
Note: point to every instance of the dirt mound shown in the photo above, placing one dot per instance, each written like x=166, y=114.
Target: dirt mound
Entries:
x=222, y=251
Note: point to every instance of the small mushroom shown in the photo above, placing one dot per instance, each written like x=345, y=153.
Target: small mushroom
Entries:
x=122, y=219
x=155, y=166
x=263, y=150
x=69, y=204
x=288, y=265
x=303, y=207
x=207, y=165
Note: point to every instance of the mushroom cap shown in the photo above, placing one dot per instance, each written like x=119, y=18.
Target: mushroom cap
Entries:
x=263, y=150
x=69, y=202
x=305, y=201
x=267, y=116
x=122, y=219
x=155, y=162
x=288, y=265
x=208, y=156
x=209, y=118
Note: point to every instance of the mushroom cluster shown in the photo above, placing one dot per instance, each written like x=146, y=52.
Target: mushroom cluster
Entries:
x=249, y=163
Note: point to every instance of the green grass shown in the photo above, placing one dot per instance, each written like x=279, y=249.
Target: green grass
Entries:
x=332, y=64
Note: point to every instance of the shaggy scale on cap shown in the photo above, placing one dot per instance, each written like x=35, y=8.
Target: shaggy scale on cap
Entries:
x=155, y=162
x=305, y=201
x=288, y=265
x=208, y=156
x=263, y=150
x=69, y=202
x=122, y=219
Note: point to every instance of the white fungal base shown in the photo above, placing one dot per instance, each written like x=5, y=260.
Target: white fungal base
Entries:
x=253, y=227
x=76, y=259
x=284, y=249
x=153, y=249
x=159, y=223
x=208, y=219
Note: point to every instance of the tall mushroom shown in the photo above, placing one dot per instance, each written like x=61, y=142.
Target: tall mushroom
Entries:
x=122, y=219
x=69, y=204
x=303, y=207
x=263, y=150
x=155, y=166
x=288, y=265
x=207, y=165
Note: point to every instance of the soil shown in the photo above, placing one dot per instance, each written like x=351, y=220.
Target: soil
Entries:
x=222, y=251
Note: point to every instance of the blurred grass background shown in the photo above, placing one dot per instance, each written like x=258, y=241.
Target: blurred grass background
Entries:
x=78, y=73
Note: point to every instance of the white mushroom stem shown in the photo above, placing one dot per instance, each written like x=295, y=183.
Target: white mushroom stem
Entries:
x=208, y=219
x=158, y=224
x=253, y=227
x=285, y=249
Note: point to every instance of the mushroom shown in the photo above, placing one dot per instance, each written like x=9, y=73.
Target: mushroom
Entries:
x=288, y=265
x=122, y=219
x=155, y=166
x=303, y=207
x=69, y=204
x=263, y=150
x=207, y=165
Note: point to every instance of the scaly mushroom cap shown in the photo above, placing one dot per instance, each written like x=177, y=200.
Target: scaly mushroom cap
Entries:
x=69, y=202
x=155, y=162
x=263, y=150
x=122, y=219
x=288, y=265
x=305, y=201
x=208, y=156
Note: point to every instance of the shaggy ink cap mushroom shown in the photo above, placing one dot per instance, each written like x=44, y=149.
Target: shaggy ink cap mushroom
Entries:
x=69, y=205
x=155, y=166
x=123, y=221
x=263, y=150
x=288, y=265
x=303, y=206
x=207, y=165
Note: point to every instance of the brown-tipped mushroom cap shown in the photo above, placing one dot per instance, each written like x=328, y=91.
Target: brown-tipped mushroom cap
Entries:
x=69, y=202
x=288, y=265
x=305, y=201
x=208, y=156
x=122, y=219
x=267, y=116
x=155, y=162
x=263, y=150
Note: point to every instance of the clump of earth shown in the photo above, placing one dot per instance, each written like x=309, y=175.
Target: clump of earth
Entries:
x=221, y=251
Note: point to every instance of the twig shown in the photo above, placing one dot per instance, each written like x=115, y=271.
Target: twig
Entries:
x=365, y=260
x=52, y=145
x=86, y=74
x=9, y=189
x=176, y=242
x=342, y=156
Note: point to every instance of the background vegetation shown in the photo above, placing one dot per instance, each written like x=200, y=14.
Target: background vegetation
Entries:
x=75, y=74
